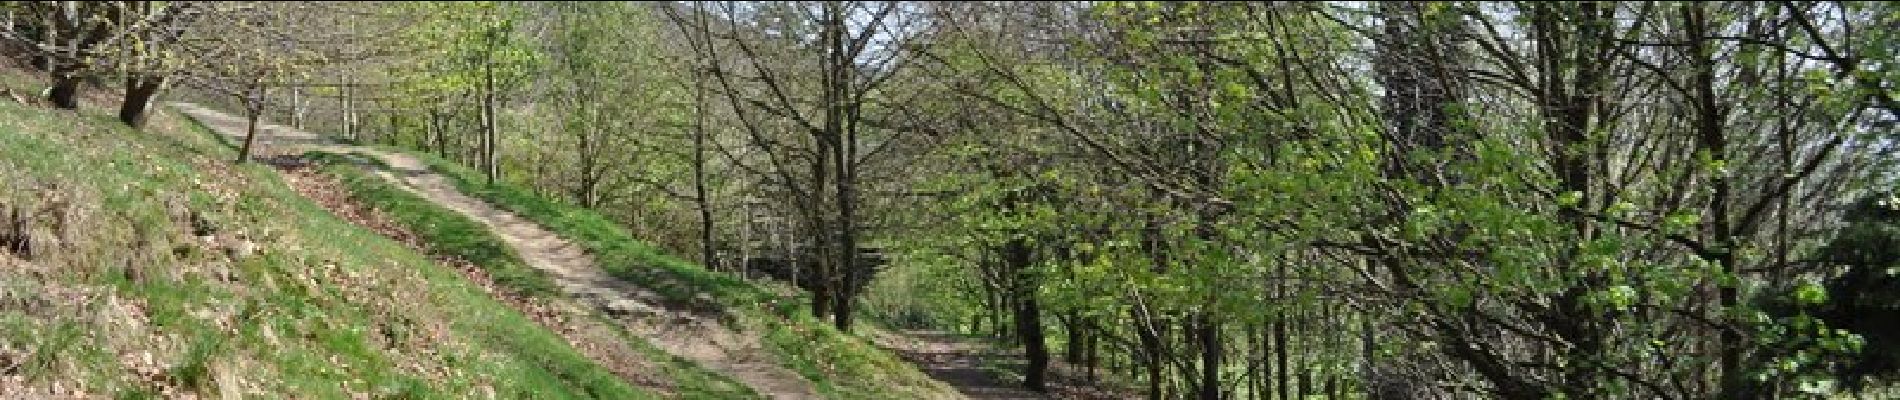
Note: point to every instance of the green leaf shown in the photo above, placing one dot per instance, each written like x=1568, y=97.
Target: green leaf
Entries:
x=1810, y=293
x=1570, y=199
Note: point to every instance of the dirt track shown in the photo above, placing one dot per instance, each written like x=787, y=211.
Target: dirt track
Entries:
x=702, y=340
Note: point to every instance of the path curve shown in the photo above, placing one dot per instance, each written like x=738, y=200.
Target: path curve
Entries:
x=702, y=340
x=954, y=361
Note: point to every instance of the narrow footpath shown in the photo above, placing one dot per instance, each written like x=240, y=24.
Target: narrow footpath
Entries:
x=945, y=357
x=684, y=334
x=957, y=362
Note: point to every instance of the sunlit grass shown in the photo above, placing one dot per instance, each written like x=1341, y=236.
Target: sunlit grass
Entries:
x=840, y=365
x=135, y=306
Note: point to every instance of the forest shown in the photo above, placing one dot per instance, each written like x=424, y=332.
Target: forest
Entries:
x=1210, y=200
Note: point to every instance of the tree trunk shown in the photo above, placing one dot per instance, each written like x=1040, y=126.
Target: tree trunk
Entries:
x=250, y=134
x=1306, y=381
x=820, y=257
x=139, y=92
x=395, y=125
x=847, y=257
x=1281, y=371
x=1208, y=330
x=1714, y=142
x=1150, y=357
x=976, y=323
x=296, y=108
x=823, y=276
x=588, y=190
x=1368, y=357
x=992, y=301
x=1028, y=313
x=699, y=174
x=489, y=134
x=348, y=113
x=65, y=92
x=1149, y=327
x=837, y=87
x=1256, y=361
x=1073, y=350
x=1094, y=356
x=439, y=127
x=821, y=285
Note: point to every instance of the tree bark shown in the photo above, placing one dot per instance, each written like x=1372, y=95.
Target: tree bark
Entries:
x=1150, y=356
x=65, y=92
x=437, y=128
x=1073, y=350
x=139, y=92
x=395, y=126
x=823, y=280
x=349, y=108
x=296, y=108
x=1208, y=330
x=588, y=190
x=1093, y=359
x=250, y=134
x=1712, y=140
x=1028, y=313
x=699, y=174
x=489, y=128
x=1280, y=367
x=1148, y=326
x=838, y=130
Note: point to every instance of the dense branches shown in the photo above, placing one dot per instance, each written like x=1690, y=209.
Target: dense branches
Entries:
x=1204, y=199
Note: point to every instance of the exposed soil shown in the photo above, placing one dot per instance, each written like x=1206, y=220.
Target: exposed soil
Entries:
x=591, y=336
x=958, y=363
x=682, y=333
x=964, y=363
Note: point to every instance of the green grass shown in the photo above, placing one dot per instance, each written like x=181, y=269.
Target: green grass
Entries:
x=447, y=233
x=840, y=365
x=614, y=249
x=325, y=310
x=451, y=234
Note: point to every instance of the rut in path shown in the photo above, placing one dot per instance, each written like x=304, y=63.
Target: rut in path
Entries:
x=681, y=333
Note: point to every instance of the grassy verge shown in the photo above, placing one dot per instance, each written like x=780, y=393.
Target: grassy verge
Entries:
x=840, y=365
x=123, y=299
x=613, y=247
x=451, y=234
x=447, y=233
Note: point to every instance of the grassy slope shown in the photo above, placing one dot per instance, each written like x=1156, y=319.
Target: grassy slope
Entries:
x=450, y=234
x=131, y=304
x=841, y=365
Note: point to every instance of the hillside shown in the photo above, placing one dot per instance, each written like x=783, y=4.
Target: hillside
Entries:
x=924, y=200
x=156, y=268
x=755, y=336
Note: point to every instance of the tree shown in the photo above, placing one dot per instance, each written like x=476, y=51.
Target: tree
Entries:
x=151, y=52
x=82, y=40
x=259, y=46
x=70, y=36
x=834, y=103
x=1498, y=189
x=472, y=47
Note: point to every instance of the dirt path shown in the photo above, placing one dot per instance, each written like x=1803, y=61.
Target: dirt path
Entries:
x=596, y=338
x=964, y=363
x=702, y=340
x=954, y=361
